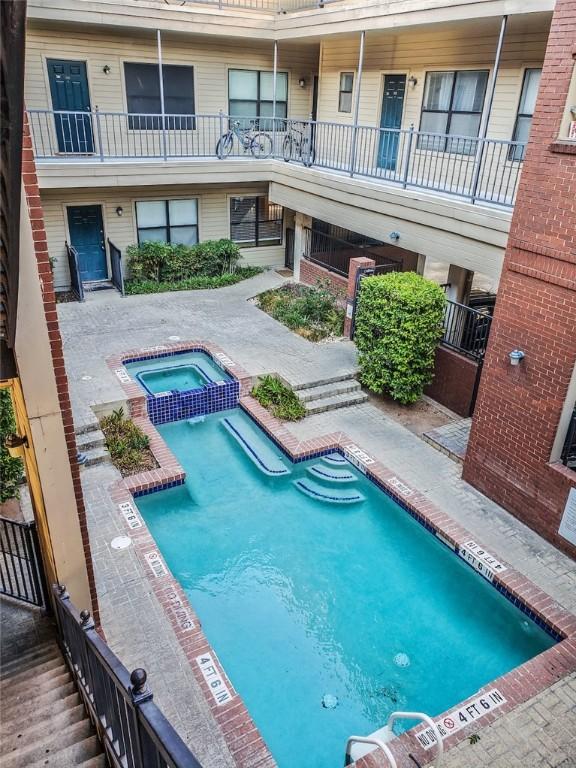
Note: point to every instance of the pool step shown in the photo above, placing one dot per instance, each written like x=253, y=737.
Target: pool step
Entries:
x=267, y=459
x=331, y=474
x=334, y=460
x=330, y=495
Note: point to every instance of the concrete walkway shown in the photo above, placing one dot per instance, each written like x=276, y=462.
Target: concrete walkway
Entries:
x=132, y=618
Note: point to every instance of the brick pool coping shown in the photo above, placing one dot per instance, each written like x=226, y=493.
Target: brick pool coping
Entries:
x=239, y=730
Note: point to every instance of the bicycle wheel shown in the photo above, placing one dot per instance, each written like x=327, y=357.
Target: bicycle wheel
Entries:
x=261, y=145
x=287, y=148
x=224, y=146
x=307, y=152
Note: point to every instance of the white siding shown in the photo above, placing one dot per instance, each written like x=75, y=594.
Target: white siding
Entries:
x=213, y=219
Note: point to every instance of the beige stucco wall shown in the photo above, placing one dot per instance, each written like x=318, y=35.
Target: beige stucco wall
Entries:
x=36, y=373
x=213, y=218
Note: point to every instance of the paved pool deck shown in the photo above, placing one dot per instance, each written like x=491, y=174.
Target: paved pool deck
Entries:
x=538, y=733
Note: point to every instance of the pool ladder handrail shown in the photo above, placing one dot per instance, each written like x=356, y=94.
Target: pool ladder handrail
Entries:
x=388, y=733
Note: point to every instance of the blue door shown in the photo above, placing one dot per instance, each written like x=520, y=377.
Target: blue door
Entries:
x=391, y=120
x=70, y=95
x=87, y=236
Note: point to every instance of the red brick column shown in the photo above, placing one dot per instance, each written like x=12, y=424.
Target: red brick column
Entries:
x=355, y=265
x=36, y=213
x=515, y=431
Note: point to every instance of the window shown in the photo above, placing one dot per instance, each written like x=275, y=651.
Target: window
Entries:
x=255, y=221
x=525, y=111
x=345, y=92
x=167, y=221
x=143, y=96
x=250, y=95
x=452, y=105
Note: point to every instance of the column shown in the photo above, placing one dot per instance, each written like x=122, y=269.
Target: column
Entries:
x=301, y=220
x=362, y=262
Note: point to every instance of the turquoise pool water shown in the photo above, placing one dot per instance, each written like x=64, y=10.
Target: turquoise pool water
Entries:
x=302, y=597
x=189, y=370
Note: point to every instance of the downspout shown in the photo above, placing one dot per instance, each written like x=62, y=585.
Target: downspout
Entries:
x=274, y=75
x=161, y=76
x=357, y=102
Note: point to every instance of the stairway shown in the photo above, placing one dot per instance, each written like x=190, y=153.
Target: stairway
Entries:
x=329, y=394
x=92, y=444
x=43, y=721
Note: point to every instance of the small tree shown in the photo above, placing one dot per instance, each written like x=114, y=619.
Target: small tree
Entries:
x=10, y=469
x=398, y=327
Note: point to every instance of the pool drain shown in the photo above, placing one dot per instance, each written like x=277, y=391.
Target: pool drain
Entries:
x=402, y=660
x=121, y=542
x=329, y=701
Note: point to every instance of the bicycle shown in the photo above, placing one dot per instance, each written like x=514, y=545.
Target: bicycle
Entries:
x=257, y=142
x=297, y=144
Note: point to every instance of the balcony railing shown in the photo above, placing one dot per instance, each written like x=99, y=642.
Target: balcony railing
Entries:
x=466, y=329
x=485, y=170
x=270, y=6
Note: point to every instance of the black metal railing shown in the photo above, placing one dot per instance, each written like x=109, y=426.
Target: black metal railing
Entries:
x=466, y=330
x=334, y=253
x=568, y=456
x=76, y=286
x=21, y=570
x=133, y=730
x=116, y=266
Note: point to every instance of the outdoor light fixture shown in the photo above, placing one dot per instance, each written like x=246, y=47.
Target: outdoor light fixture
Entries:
x=394, y=236
x=516, y=356
x=106, y=69
x=15, y=445
x=413, y=81
x=302, y=82
x=119, y=211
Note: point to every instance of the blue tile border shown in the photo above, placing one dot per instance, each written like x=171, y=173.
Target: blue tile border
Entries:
x=159, y=487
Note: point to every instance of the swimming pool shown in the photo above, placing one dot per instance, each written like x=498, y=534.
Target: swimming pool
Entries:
x=310, y=581
x=181, y=372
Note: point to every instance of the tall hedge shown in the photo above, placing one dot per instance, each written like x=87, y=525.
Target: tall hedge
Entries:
x=398, y=327
x=171, y=262
x=11, y=470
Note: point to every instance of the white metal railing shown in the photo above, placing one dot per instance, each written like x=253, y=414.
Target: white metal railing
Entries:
x=486, y=170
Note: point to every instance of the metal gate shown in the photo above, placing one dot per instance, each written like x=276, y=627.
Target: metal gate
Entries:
x=21, y=570
x=289, y=253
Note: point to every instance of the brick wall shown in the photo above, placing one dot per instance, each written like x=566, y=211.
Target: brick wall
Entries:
x=311, y=273
x=454, y=379
x=45, y=274
x=518, y=408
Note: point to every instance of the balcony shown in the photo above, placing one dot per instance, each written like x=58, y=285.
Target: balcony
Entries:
x=485, y=171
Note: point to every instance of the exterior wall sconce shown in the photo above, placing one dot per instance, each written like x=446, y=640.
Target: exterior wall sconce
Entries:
x=413, y=81
x=394, y=236
x=516, y=356
x=15, y=445
x=302, y=82
x=106, y=69
x=119, y=211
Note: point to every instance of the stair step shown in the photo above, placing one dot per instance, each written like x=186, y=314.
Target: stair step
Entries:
x=322, y=382
x=95, y=762
x=268, y=459
x=330, y=495
x=43, y=729
x=328, y=390
x=338, y=401
x=41, y=711
x=45, y=683
x=331, y=474
x=87, y=440
x=26, y=707
x=80, y=753
x=334, y=460
x=18, y=662
x=94, y=456
x=53, y=745
x=56, y=664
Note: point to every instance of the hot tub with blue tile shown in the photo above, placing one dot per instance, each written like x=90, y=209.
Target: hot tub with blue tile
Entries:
x=183, y=384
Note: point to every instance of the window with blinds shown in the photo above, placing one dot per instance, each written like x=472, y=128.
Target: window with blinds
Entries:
x=525, y=112
x=255, y=221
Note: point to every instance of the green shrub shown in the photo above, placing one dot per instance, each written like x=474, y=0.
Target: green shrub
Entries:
x=11, y=470
x=133, y=287
x=398, y=327
x=172, y=262
x=127, y=445
x=310, y=312
x=279, y=399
